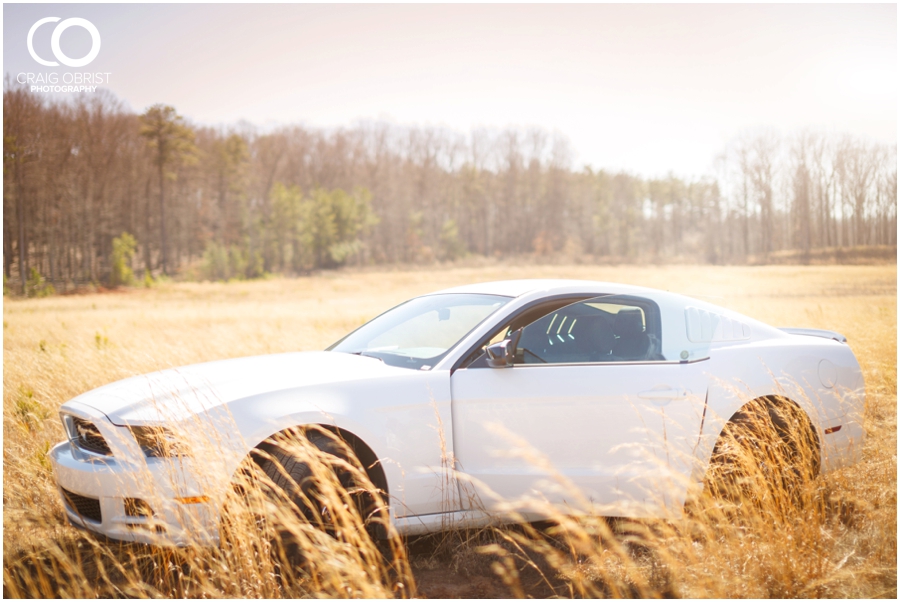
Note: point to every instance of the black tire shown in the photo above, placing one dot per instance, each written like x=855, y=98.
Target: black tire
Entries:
x=276, y=494
x=276, y=490
x=295, y=478
x=768, y=450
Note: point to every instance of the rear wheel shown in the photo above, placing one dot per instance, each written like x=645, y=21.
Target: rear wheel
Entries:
x=768, y=452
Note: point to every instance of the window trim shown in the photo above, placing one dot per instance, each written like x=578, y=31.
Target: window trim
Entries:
x=656, y=315
x=575, y=298
x=622, y=363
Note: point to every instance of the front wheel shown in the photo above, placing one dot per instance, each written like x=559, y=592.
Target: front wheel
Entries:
x=322, y=481
x=304, y=504
x=299, y=486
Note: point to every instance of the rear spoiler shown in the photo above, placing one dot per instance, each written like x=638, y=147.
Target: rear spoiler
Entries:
x=815, y=332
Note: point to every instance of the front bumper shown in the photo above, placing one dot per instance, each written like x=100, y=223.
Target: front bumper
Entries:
x=116, y=481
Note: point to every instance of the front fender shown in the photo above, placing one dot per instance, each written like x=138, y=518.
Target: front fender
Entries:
x=404, y=420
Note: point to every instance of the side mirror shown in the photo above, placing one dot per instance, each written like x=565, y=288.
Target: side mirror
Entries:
x=503, y=354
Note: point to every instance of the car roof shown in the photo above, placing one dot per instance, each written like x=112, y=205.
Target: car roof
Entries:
x=518, y=288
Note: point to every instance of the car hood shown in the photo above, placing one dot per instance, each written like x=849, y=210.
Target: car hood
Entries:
x=178, y=393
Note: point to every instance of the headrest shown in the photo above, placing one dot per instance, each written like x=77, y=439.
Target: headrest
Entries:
x=592, y=324
x=629, y=322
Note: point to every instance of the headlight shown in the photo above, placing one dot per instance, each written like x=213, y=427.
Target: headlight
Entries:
x=85, y=434
x=158, y=442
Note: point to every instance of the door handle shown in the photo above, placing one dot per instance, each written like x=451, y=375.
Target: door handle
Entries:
x=663, y=394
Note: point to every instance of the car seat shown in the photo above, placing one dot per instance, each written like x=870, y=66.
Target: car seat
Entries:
x=632, y=343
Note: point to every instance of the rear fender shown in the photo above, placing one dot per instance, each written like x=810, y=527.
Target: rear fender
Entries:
x=778, y=370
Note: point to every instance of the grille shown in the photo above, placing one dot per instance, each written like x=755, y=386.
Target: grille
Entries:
x=85, y=507
x=88, y=437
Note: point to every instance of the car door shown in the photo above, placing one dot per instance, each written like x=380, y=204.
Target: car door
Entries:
x=591, y=417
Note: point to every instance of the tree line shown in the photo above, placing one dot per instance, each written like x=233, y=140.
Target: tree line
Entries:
x=95, y=193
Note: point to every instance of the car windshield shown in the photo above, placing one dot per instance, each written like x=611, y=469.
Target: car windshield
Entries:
x=418, y=333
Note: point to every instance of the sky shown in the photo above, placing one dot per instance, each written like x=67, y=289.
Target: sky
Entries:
x=650, y=89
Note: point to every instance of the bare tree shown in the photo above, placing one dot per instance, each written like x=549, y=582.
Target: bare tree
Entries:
x=801, y=157
x=764, y=148
x=78, y=174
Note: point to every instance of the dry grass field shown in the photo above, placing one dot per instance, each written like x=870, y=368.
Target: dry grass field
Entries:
x=841, y=542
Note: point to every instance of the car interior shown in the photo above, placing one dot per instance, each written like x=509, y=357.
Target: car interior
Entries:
x=599, y=329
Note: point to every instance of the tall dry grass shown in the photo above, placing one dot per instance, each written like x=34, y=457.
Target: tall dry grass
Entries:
x=832, y=536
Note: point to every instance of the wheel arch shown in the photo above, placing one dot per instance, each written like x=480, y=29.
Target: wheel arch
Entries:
x=366, y=456
x=770, y=400
x=368, y=459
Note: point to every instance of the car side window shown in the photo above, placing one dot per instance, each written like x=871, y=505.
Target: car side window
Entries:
x=603, y=329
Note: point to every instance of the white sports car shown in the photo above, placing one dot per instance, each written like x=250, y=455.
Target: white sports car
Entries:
x=613, y=390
